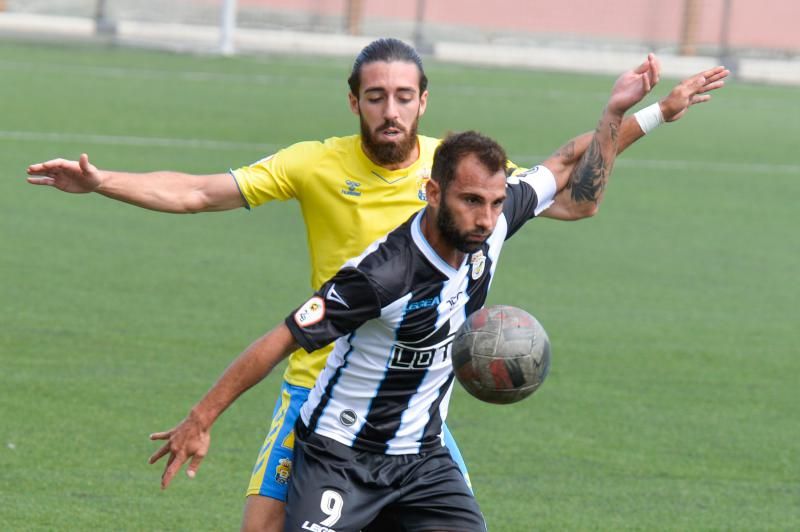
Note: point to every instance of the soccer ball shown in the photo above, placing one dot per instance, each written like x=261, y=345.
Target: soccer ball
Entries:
x=501, y=354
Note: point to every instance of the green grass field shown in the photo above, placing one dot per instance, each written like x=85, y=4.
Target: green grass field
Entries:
x=673, y=401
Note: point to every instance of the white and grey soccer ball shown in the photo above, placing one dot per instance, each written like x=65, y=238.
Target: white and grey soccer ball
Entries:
x=501, y=354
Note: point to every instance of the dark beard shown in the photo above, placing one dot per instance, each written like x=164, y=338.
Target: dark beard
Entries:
x=388, y=153
x=447, y=227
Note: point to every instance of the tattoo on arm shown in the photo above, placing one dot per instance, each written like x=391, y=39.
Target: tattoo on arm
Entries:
x=567, y=151
x=590, y=176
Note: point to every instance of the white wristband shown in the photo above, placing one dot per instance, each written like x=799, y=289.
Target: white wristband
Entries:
x=649, y=118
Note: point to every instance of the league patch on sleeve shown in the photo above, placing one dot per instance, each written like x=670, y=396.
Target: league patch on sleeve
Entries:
x=311, y=312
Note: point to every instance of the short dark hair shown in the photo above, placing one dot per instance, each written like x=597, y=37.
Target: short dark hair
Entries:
x=386, y=50
x=456, y=146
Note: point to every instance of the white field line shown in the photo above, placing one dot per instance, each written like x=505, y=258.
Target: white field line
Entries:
x=51, y=69
x=256, y=78
x=125, y=140
x=268, y=148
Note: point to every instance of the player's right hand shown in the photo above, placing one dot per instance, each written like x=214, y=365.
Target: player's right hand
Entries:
x=187, y=440
x=634, y=85
x=77, y=177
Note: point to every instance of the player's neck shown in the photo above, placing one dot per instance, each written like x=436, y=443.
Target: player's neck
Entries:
x=447, y=252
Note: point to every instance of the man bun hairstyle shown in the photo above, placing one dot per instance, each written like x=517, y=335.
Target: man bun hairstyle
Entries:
x=387, y=50
x=457, y=146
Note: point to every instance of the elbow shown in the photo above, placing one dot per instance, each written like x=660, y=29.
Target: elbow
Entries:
x=196, y=203
x=582, y=210
x=589, y=209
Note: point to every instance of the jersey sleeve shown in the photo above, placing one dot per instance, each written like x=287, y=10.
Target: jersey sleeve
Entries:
x=342, y=305
x=529, y=193
x=278, y=176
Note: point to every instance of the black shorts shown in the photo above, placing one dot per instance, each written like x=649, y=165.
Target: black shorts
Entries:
x=335, y=488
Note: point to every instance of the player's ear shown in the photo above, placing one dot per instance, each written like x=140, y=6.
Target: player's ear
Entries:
x=423, y=102
x=433, y=193
x=353, y=103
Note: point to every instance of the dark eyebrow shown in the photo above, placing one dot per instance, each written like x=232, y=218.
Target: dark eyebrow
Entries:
x=382, y=90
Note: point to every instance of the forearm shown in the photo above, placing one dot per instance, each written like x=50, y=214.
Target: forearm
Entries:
x=249, y=368
x=164, y=191
x=568, y=155
x=588, y=180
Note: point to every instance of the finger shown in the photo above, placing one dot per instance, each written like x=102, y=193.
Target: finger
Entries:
x=194, y=465
x=41, y=181
x=84, y=163
x=718, y=76
x=713, y=71
x=700, y=99
x=644, y=67
x=173, y=466
x=161, y=435
x=158, y=454
x=54, y=164
x=655, y=69
x=711, y=86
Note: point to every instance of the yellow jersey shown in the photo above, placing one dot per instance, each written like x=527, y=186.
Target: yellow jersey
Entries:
x=347, y=202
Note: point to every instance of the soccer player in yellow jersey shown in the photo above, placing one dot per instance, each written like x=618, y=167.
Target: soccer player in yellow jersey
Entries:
x=351, y=190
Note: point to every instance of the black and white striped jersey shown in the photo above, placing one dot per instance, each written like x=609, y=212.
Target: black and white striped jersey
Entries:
x=393, y=312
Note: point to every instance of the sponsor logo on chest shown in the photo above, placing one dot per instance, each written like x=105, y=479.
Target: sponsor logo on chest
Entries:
x=351, y=188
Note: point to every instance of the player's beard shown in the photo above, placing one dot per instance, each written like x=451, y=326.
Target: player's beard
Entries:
x=389, y=153
x=450, y=233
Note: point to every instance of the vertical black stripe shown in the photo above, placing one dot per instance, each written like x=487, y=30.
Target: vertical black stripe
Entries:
x=434, y=427
x=406, y=369
x=326, y=396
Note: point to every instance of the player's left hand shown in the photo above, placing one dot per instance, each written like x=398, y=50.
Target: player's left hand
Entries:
x=187, y=440
x=632, y=86
x=692, y=90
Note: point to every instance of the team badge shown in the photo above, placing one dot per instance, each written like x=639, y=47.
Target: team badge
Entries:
x=422, y=179
x=283, y=471
x=478, y=261
x=311, y=312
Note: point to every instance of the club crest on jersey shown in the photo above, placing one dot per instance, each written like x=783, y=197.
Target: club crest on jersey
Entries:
x=311, y=312
x=422, y=179
x=478, y=262
x=283, y=470
x=352, y=188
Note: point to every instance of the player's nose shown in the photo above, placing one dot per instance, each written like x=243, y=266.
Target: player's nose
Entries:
x=483, y=220
x=391, y=110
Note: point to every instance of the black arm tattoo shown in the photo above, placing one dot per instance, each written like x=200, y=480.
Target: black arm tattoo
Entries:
x=567, y=151
x=588, y=180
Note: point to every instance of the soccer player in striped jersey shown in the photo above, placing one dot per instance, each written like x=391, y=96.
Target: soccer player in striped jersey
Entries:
x=351, y=190
x=369, y=440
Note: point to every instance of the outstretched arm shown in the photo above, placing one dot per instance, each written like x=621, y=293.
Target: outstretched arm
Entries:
x=191, y=438
x=159, y=191
x=688, y=92
x=587, y=182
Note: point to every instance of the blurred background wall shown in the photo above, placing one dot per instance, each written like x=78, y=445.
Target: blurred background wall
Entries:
x=734, y=30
